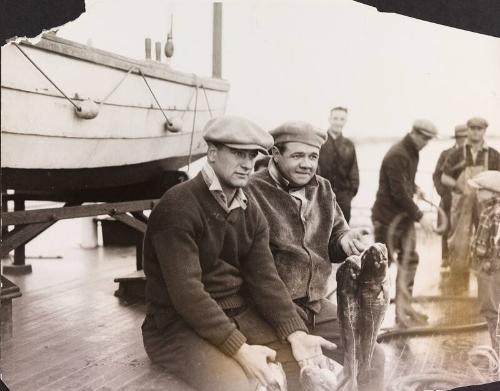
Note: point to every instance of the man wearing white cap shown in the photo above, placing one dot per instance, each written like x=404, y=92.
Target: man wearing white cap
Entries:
x=444, y=191
x=394, y=213
x=213, y=294
x=485, y=249
x=462, y=164
x=308, y=232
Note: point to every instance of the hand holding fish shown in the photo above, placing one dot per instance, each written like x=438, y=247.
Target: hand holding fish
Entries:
x=354, y=241
x=307, y=349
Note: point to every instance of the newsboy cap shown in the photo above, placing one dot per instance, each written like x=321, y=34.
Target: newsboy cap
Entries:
x=488, y=180
x=425, y=127
x=477, y=121
x=460, y=131
x=237, y=132
x=300, y=132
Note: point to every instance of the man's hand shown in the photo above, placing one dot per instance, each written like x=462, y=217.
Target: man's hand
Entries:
x=420, y=193
x=354, y=241
x=426, y=223
x=254, y=361
x=307, y=350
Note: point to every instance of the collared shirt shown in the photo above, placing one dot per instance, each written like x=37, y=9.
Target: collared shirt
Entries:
x=239, y=200
x=485, y=247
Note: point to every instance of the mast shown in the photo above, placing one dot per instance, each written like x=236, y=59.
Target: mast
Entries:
x=217, y=41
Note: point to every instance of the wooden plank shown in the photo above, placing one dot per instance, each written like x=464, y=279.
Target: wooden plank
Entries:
x=130, y=221
x=54, y=214
x=23, y=235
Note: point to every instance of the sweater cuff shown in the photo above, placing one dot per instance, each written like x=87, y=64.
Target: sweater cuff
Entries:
x=233, y=343
x=284, y=329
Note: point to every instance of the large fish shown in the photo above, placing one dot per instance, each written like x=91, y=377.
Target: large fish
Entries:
x=314, y=378
x=348, y=312
x=373, y=297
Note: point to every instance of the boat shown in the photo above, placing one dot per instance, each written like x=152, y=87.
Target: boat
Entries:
x=121, y=124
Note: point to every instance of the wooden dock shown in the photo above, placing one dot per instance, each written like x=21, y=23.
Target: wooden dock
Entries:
x=71, y=333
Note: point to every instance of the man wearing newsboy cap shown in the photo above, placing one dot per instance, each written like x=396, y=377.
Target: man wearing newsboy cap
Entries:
x=485, y=249
x=393, y=203
x=213, y=294
x=307, y=233
x=445, y=192
x=473, y=157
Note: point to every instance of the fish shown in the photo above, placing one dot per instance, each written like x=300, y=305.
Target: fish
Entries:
x=373, y=298
x=348, y=312
x=314, y=378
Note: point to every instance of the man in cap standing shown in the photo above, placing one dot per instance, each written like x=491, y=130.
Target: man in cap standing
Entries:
x=444, y=191
x=463, y=164
x=338, y=162
x=212, y=290
x=394, y=214
x=485, y=250
x=308, y=232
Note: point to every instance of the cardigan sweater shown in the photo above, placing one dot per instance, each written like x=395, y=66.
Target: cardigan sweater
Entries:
x=200, y=260
x=303, y=245
x=397, y=183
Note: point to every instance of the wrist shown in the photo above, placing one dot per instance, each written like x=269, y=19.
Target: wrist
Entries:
x=296, y=335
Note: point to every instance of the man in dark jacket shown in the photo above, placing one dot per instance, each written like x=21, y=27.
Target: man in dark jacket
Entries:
x=444, y=191
x=212, y=290
x=394, y=214
x=308, y=232
x=338, y=162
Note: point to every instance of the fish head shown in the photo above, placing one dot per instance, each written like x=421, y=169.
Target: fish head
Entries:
x=374, y=262
x=347, y=276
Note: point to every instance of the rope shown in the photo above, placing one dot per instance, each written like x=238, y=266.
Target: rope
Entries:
x=206, y=100
x=154, y=96
x=425, y=330
x=194, y=122
x=47, y=77
x=118, y=85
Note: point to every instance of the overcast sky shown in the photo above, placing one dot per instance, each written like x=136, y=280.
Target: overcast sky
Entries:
x=296, y=59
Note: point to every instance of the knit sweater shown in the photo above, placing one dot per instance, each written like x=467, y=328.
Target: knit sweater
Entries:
x=397, y=183
x=200, y=260
x=302, y=246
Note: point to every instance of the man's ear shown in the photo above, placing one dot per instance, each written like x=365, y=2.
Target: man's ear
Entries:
x=276, y=153
x=211, y=153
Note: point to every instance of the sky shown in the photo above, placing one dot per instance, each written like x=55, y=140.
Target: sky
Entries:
x=289, y=60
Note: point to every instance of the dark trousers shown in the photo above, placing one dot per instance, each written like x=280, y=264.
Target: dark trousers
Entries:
x=402, y=243
x=183, y=353
x=344, y=199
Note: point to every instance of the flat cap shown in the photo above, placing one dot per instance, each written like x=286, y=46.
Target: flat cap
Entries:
x=425, y=127
x=477, y=121
x=488, y=180
x=238, y=133
x=460, y=131
x=300, y=132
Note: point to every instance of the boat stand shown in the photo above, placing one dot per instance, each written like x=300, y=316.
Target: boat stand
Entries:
x=30, y=223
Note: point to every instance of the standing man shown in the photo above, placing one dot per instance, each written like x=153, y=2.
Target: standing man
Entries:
x=307, y=232
x=463, y=164
x=213, y=294
x=394, y=214
x=444, y=191
x=485, y=250
x=338, y=163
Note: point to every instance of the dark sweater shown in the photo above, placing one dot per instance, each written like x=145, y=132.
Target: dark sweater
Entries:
x=338, y=164
x=199, y=260
x=397, y=183
x=461, y=158
x=302, y=249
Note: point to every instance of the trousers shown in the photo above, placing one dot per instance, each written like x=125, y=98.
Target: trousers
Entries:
x=488, y=295
x=183, y=353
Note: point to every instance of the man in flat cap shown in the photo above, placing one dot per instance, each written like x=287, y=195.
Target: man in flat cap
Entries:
x=485, y=249
x=338, y=162
x=444, y=191
x=308, y=232
x=394, y=214
x=462, y=164
x=213, y=294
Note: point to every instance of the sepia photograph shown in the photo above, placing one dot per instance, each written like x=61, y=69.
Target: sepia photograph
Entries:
x=248, y=195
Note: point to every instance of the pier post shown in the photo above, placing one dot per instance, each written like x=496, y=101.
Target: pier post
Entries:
x=19, y=265
x=217, y=41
